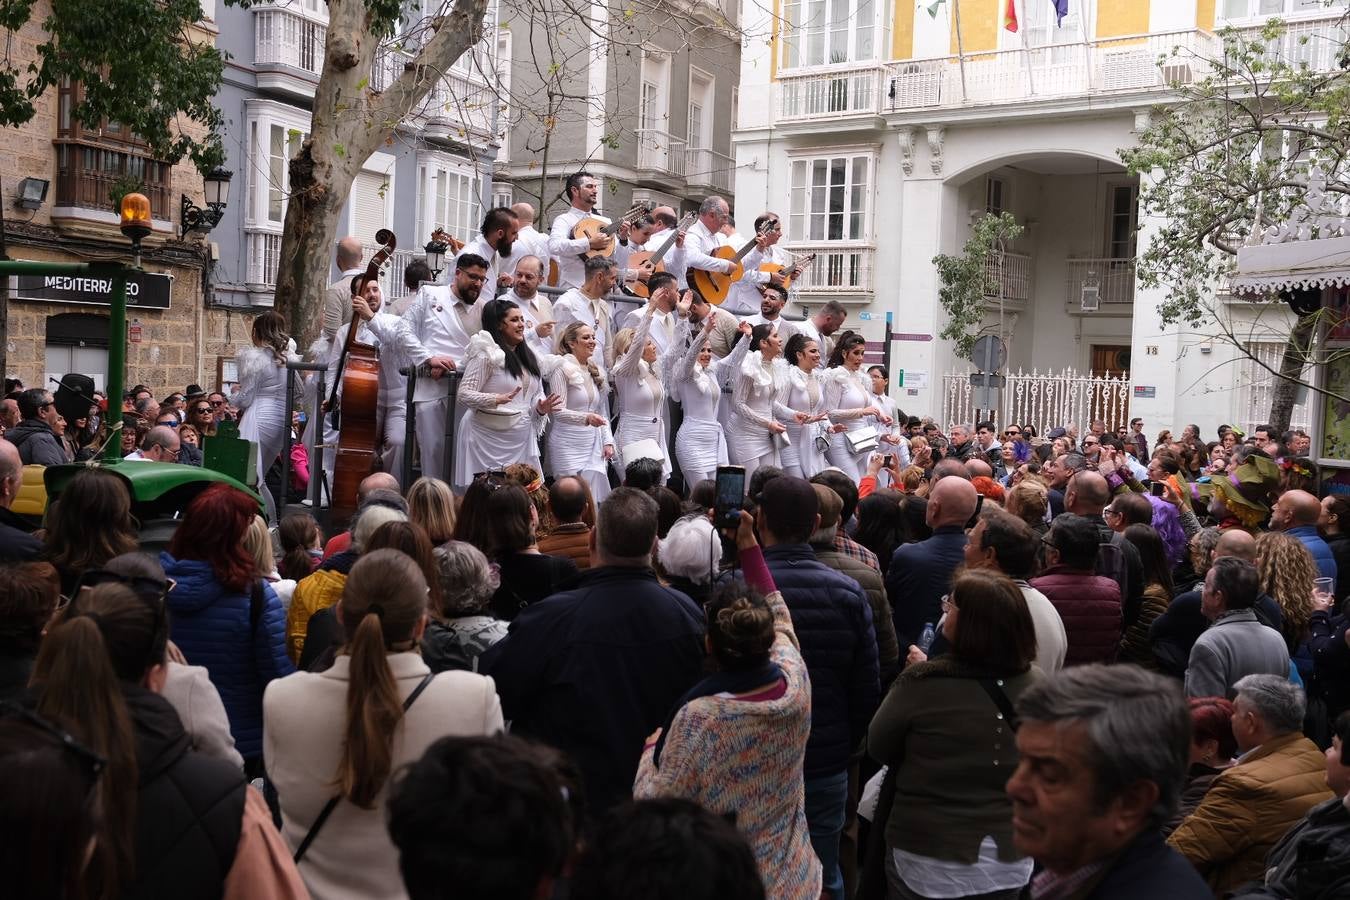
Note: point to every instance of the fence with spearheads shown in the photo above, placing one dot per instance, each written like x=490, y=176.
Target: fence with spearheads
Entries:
x=1043, y=400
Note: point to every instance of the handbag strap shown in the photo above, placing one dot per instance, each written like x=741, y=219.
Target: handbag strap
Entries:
x=994, y=688
x=334, y=800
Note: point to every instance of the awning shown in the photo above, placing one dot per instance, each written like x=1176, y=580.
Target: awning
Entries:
x=1307, y=264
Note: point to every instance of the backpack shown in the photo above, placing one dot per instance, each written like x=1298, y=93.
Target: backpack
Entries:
x=1111, y=562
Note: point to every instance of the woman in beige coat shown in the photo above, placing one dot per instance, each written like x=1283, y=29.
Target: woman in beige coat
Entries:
x=334, y=737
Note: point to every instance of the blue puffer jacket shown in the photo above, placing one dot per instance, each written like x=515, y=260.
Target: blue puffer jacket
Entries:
x=833, y=621
x=211, y=626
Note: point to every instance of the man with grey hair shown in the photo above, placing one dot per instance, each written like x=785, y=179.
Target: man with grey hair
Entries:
x=160, y=444
x=593, y=670
x=960, y=446
x=337, y=299
x=703, y=237
x=1278, y=777
x=1103, y=753
x=1236, y=642
x=587, y=304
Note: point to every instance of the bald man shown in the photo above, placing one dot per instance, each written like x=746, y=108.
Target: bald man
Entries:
x=17, y=544
x=1296, y=513
x=1086, y=495
x=977, y=467
x=528, y=242
x=376, y=481
x=337, y=300
x=160, y=444
x=921, y=574
x=1174, y=632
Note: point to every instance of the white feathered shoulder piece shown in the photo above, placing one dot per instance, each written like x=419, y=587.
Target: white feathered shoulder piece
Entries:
x=838, y=375
x=482, y=344
x=251, y=364
x=754, y=369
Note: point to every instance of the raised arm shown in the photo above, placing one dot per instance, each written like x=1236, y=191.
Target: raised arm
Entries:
x=627, y=365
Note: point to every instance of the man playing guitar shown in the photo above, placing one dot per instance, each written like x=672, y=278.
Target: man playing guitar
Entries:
x=582, y=192
x=744, y=297
x=703, y=238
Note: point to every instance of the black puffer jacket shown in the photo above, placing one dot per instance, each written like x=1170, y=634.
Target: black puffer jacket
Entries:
x=189, y=808
x=833, y=621
x=37, y=443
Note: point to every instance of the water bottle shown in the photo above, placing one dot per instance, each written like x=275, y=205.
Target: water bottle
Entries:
x=926, y=638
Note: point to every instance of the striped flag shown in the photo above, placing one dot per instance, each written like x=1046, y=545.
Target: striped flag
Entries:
x=1010, y=17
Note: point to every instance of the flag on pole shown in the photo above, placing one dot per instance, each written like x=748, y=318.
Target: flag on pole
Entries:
x=933, y=8
x=1010, y=17
x=1061, y=10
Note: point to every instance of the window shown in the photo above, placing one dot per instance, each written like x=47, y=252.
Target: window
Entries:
x=700, y=109
x=95, y=162
x=447, y=195
x=502, y=195
x=654, y=92
x=995, y=192
x=275, y=132
x=1043, y=28
x=1256, y=385
x=1122, y=222
x=830, y=199
x=824, y=32
x=1251, y=9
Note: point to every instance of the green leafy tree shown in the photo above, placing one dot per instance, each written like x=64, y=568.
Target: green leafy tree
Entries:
x=971, y=280
x=1240, y=151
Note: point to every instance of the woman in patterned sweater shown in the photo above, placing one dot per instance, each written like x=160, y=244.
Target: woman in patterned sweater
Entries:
x=735, y=742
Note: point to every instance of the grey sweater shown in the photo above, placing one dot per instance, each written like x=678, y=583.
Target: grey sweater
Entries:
x=1237, y=644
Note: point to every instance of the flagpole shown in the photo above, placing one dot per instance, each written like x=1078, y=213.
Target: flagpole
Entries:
x=960, y=49
x=1088, y=26
x=1026, y=51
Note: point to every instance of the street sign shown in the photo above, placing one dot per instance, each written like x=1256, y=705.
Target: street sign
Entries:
x=982, y=380
x=148, y=290
x=989, y=354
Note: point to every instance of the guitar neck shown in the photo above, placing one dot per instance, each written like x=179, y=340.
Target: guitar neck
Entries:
x=669, y=242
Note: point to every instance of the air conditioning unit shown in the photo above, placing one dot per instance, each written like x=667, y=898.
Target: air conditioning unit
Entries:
x=1090, y=298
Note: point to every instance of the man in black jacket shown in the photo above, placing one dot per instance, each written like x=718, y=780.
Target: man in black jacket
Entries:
x=37, y=442
x=595, y=669
x=17, y=544
x=833, y=621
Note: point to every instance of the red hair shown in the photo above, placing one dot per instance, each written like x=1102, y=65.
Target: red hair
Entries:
x=987, y=486
x=212, y=531
x=1212, y=720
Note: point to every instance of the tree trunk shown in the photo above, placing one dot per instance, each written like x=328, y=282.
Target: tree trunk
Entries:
x=350, y=122
x=1297, y=352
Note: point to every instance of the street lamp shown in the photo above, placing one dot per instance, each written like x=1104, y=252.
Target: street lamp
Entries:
x=216, y=187
x=435, y=251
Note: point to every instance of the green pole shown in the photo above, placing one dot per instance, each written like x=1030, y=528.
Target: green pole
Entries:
x=117, y=360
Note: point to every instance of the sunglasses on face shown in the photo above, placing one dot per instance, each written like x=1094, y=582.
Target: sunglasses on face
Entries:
x=217, y=402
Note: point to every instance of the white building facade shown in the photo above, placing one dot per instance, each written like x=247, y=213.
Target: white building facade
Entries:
x=880, y=135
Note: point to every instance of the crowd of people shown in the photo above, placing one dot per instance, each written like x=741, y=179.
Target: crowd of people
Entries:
x=1070, y=666
x=920, y=660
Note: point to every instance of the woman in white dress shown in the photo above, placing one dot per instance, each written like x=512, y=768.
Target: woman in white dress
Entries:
x=691, y=377
x=261, y=395
x=641, y=396
x=803, y=394
x=503, y=391
x=848, y=397
x=756, y=434
x=580, y=441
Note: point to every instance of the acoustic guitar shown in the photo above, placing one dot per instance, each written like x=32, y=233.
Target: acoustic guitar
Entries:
x=791, y=272
x=441, y=236
x=636, y=261
x=714, y=286
x=589, y=228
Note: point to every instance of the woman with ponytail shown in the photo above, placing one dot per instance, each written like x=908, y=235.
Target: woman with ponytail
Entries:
x=176, y=823
x=735, y=742
x=849, y=398
x=333, y=738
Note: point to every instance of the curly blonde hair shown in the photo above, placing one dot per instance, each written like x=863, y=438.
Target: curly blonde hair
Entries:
x=1287, y=570
x=1027, y=501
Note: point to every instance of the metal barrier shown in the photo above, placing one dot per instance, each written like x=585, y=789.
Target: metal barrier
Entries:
x=316, y=434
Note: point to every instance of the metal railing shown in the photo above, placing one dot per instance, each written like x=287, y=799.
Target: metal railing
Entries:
x=262, y=250
x=1318, y=44
x=1012, y=272
x=1113, y=278
x=838, y=267
x=1043, y=400
x=660, y=151
x=285, y=38
x=86, y=173
x=708, y=167
x=830, y=92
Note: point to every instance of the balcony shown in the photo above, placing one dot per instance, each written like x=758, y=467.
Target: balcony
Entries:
x=708, y=169
x=1111, y=65
x=661, y=157
x=1318, y=44
x=262, y=251
x=1011, y=276
x=838, y=268
x=391, y=279
x=288, y=51
x=831, y=93
x=1113, y=279
x=87, y=172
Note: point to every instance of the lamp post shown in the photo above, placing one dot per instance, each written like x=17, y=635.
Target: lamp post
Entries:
x=435, y=251
x=216, y=188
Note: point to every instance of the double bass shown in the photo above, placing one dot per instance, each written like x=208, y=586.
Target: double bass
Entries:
x=358, y=374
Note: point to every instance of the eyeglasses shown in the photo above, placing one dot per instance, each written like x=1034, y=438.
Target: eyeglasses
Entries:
x=142, y=584
x=1015, y=431
x=202, y=409
x=1108, y=511
x=93, y=763
x=216, y=402
x=1091, y=443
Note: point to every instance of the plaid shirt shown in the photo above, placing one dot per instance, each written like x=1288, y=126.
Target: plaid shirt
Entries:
x=849, y=547
x=1049, y=886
